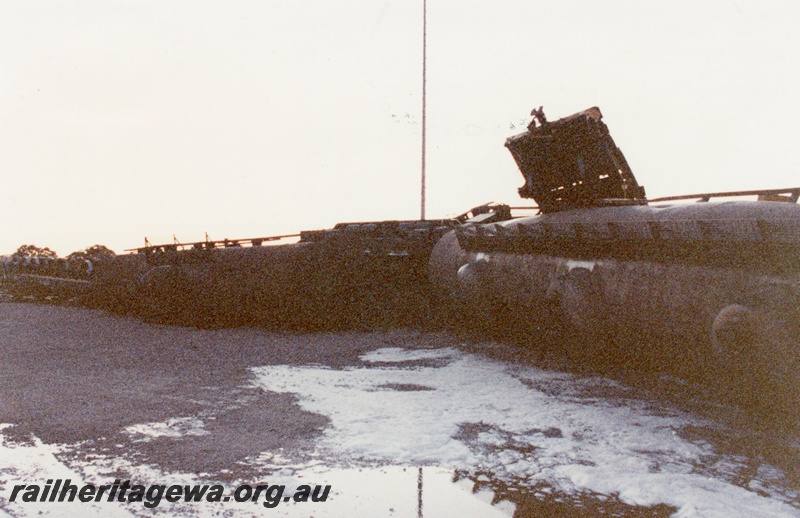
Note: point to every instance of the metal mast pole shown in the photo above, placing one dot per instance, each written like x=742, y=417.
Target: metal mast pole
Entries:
x=424, y=66
x=419, y=493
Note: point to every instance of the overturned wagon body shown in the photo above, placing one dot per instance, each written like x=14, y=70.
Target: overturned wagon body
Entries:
x=709, y=289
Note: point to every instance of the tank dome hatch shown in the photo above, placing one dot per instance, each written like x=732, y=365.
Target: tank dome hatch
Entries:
x=573, y=163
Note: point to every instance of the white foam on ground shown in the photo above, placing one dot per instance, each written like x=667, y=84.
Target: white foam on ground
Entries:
x=447, y=410
x=173, y=427
x=366, y=491
x=484, y=415
x=35, y=463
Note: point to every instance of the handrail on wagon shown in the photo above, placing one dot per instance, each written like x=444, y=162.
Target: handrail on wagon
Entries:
x=763, y=195
x=207, y=244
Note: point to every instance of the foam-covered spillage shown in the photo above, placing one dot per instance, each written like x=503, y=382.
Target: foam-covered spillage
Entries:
x=523, y=425
x=397, y=491
x=173, y=427
x=34, y=463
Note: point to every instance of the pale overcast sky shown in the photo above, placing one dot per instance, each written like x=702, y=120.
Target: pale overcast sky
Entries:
x=126, y=119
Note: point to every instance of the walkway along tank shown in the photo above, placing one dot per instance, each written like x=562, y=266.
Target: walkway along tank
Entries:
x=707, y=291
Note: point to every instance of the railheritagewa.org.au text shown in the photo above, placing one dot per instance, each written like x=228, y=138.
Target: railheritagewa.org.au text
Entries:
x=63, y=490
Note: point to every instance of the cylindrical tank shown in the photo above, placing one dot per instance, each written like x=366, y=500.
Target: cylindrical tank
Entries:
x=682, y=317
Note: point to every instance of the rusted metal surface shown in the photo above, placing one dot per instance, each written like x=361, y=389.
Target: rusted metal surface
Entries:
x=730, y=328
x=709, y=291
x=763, y=236
x=573, y=163
x=356, y=274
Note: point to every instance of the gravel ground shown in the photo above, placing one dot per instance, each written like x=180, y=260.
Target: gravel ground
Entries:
x=71, y=374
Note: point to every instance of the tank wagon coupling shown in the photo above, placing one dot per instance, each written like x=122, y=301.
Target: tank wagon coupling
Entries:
x=708, y=290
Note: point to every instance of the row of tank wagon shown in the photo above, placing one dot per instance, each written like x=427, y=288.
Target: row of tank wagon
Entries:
x=15, y=266
x=355, y=274
x=396, y=238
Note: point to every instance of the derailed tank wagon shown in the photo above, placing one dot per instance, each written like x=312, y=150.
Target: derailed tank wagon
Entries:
x=354, y=275
x=708, y=290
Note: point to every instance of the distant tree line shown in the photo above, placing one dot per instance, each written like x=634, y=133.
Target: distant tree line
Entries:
x=34, y=251
x=93, y=253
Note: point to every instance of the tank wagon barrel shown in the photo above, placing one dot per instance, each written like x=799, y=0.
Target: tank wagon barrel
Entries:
x=355, y=274
x=707, y=290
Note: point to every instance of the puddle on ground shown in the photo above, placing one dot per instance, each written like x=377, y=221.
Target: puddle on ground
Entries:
x=440, y=433
x=393, y=491
x=575, y=436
